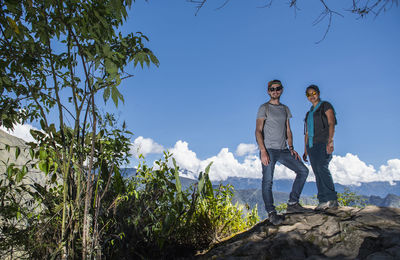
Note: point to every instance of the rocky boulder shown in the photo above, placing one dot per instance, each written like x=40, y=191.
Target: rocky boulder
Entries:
x=9, y=157
x=346, y=233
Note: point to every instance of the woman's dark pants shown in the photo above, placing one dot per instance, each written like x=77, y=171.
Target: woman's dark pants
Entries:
x=319, y=160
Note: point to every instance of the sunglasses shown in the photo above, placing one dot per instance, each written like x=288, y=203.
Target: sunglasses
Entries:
x=277, y=89
x=309, y=94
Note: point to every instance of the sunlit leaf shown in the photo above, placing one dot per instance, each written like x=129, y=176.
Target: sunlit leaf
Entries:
x=17, y=152
x=13, y=25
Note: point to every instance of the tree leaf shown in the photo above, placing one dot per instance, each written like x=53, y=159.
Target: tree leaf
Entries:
x=154, y=59
x=21, y=174
x=111, y=68
x=178, y=184
x=13, y=25
x=42, y=154
x=106, y=94
x=116, y=95
x=18, y=214
x=17, y=152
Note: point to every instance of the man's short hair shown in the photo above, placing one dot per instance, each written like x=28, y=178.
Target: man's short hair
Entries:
x=275, y=81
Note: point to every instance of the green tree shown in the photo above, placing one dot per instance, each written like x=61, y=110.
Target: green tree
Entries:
x=55, y=58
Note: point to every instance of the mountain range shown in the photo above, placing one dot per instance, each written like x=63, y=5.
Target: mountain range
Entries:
x=381, y=189
x=248, y=191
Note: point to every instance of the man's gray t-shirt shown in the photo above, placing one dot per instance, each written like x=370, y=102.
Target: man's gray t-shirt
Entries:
x=274, y=125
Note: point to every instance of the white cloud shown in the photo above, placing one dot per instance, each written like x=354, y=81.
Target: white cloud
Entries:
x=244, y=149
x=346, y=170
x=184, y=157
x=224, y=164
x=351, y=170
x=391, y=171
x=145, y=146
x=21, y=131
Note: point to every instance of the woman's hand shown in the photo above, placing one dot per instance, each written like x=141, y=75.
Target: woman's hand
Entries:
x=329, y=147
x=305, y=156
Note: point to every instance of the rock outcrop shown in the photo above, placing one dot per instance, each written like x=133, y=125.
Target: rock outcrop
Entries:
x=8, y=157
x=346, y=233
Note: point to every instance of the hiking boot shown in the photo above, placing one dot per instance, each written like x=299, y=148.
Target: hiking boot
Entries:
x=331, y=204
x=274, y=218
x=295, y=208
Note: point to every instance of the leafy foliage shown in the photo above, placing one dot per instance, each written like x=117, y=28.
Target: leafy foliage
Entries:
x=147, y=215
x=155, y=218
x=281, y=207
x=56, y=57
x=350, y=198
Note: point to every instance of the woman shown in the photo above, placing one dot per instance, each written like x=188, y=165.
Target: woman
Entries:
x=319, y=131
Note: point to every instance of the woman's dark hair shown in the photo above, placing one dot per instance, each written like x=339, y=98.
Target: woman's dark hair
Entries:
x=314, y=87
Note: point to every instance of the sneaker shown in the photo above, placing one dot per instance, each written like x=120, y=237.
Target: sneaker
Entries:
x=331, y=204
x=274, y=218
x=295, y=208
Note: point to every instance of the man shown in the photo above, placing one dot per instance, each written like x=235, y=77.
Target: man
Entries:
x=273, y=136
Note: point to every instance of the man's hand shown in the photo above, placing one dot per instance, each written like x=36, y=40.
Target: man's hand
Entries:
x=295, y=154
x=329, y=147
x=265, y=158
x=305, y=156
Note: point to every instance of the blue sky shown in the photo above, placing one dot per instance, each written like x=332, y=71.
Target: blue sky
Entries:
x=214, y=66
x=201, y=103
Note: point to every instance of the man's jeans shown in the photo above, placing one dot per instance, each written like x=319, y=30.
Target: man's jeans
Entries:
x=319, y=160
x=287, y=159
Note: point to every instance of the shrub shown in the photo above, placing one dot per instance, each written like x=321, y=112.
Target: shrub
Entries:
x=156, y=218
x=350, y=198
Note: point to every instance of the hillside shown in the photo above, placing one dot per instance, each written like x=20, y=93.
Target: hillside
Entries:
x=346, y=233
x=253, y=197
x=381, y=189
x=248, y=191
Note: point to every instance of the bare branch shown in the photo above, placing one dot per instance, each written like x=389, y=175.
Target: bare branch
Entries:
x=327, y=12
x=267, y=5
x=200, y=4
x=360, y=7
x=376, y=7
x=223, y=5
x=293, y=3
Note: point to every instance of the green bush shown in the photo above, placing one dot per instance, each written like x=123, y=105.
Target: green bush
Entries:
x=148, y=215
x=350, y=198
x=216, y=217
x=155, y=218
x=281, y=208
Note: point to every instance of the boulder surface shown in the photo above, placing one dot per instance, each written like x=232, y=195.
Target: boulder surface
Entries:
x=346, y=233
